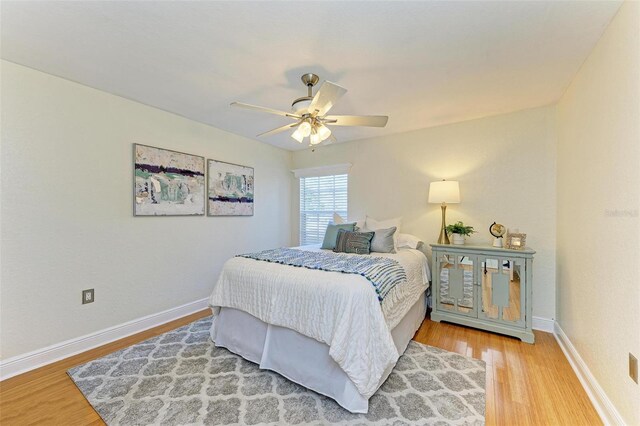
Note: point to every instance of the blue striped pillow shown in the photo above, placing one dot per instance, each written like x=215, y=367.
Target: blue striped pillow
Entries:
x=353, y=242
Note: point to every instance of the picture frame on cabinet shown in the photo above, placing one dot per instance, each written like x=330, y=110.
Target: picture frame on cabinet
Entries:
x=515, y=241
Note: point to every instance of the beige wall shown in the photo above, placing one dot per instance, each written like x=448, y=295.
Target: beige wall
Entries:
x=67, y=220
x=598, y=210
x=506, y=168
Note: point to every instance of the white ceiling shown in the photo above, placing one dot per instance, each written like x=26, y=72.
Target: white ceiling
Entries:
x=421, y=63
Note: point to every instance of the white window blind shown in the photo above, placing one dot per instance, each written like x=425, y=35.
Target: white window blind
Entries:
x=320, y=196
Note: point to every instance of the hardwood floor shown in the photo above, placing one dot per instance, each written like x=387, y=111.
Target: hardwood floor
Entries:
x=47, y=396
x=526, y=384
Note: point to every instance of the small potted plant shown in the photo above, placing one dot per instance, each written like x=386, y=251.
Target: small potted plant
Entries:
x=458, y=232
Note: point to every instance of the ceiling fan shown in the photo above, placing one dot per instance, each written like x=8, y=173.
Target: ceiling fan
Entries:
x=310, y=113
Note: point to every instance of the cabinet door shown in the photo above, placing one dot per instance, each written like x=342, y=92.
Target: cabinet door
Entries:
x=456, y=290
x=503, y=290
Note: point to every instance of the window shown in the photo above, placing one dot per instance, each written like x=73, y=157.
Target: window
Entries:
x=320, y=196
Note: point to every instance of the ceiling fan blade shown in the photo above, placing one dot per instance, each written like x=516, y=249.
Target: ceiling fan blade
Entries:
x=356, y=120
x=263, y=109
x=326, y=97
x=279, y=129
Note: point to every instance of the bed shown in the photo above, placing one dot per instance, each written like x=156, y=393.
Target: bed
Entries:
x=329, y=331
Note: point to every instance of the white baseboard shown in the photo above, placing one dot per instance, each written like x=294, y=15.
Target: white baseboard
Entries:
x=603, y=405
x=41, y=357
x=543, y=324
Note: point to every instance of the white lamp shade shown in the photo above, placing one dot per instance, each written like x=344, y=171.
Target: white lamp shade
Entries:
x=323, y=132
x=315, y=138
x=297, y=135
x=305, y=128
x=444, y=191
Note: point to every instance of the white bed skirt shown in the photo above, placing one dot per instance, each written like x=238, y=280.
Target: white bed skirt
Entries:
x=302, y=359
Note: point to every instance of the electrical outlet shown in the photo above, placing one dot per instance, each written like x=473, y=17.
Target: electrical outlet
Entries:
x=633, y=367
x=87, y=296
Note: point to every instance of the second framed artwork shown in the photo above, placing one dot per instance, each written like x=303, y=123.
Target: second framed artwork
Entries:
x=230, y=189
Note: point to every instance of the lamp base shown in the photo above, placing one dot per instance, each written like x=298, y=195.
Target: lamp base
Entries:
x=443, y=238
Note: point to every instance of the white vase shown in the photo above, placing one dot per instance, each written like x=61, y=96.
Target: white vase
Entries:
x=458, y=239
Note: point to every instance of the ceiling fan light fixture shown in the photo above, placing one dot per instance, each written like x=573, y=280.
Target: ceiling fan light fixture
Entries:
x=310, y=113
x=297, y=135
x=304, y=128
x=323, y=132
x=315, y=138
x=301, y=105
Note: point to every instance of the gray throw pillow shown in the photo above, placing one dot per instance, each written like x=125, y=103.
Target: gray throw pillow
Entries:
x=331, y=234
x=382, y=241
x=353, y=242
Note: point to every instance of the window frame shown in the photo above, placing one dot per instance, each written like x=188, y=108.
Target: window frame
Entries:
x=321, y=196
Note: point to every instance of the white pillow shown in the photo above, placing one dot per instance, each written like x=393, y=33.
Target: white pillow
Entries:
x=372, y=224
x=337, y=219
x=408, y=241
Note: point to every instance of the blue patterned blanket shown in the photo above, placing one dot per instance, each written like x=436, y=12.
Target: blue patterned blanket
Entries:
x=383, y=273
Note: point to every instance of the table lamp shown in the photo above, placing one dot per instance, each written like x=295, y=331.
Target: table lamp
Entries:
x=443, y=192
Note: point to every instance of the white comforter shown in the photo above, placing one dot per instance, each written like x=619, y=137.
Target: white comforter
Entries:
x=341, y=310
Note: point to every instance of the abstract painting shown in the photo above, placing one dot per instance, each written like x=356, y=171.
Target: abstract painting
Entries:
x=167, y=183
x=230, y=189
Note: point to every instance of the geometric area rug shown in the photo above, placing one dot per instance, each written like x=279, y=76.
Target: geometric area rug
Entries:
x=181, y=378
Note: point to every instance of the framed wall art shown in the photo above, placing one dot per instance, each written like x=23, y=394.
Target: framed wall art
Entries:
x=230, y=189
x=167, y=183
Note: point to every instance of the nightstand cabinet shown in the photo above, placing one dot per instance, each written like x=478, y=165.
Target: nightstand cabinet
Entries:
x=483, y=287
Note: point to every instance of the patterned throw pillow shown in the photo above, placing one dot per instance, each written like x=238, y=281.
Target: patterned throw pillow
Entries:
x=353, y=242
x=331, y=234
